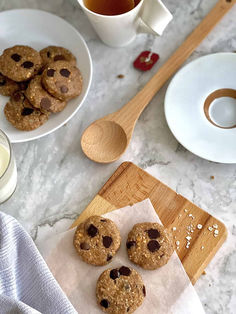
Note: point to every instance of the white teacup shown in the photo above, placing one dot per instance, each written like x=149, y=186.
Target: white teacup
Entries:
x=149, y=16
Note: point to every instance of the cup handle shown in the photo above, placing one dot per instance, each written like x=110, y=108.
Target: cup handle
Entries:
x=154, y=17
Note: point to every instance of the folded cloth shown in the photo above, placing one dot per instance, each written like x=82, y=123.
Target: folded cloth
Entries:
x=26, y=283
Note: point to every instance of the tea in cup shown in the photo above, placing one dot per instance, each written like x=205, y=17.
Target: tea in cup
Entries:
x=117, y=22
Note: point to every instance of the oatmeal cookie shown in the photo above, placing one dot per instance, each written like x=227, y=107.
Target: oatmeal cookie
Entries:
x=149, y=245
x=62, y=80
x=22, y=115
x=20, y=63
x=40, y=98
x=97, y=240
x=54, y=53
x=120, y=290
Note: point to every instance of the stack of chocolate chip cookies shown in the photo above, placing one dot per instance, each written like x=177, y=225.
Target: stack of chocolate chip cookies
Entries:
x=38, y=83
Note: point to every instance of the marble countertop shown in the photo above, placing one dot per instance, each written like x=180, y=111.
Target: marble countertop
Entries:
x=56, y=181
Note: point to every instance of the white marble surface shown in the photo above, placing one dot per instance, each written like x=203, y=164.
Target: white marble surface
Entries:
x=56, y=181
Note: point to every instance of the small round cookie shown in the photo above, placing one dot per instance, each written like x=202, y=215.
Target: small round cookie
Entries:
x=22, y=115
x=62, y=80
x=149, y=245
x=20, y=63
x=97, y=240
x=40, y=98
x=54, y=53
x=120, y=290
x=7, y=86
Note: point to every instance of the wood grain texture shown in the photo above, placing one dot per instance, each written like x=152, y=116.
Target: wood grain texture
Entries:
x=130, y=184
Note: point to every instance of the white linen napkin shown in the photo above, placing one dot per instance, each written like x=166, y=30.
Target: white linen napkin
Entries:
x=26, y=284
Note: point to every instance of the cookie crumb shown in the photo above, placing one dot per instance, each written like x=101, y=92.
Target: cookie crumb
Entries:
x=204, y=272
x=212, y=177
x=120, y=76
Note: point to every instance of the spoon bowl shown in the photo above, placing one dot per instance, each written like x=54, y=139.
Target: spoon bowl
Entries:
x=104, y=141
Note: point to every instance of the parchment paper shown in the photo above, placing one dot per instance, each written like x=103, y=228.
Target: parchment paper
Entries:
x=169, y=289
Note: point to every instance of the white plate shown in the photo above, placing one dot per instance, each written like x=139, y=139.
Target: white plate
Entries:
x=39, y=29
x=184, y=107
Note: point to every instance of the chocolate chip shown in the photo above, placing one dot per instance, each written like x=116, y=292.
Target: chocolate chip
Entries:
x=103, y=220
x=84, y=246
x=92, y=231
x=2, y=81
x=23, y=85
x=153, y=233
x=124, y=271
x=48, y=54
x=144, y=291
x=109, y=257
x=27, y=111
x=114, y=274
x=16, y=57
x=64, y=89
x=130, y=244
x=50, y=72
x=45, y=103
x=104, y=303
x=27, y=64
x=59, y=57
x=17, y=96
x=153, y=245
x=127, y=309
x=65, y=72
x=107, y=241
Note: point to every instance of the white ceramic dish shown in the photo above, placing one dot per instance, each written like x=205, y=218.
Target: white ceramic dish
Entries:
x=186, y=95
x=39, y=29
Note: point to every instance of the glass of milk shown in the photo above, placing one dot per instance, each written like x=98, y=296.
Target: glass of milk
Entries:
x=8, y=172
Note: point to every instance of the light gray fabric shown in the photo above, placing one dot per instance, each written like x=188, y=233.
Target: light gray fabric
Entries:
x=26, y=284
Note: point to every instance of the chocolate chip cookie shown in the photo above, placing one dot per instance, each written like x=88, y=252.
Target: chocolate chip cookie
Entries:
x=149, y=245
x=22, y=115
x=20, y=63
x=54, y=53
x=62, y=80
x=7, y=86
x=40, y=98
x=120, y=290
x=97, y=240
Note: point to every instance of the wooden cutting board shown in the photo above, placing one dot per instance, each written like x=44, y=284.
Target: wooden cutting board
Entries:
x=130, y=184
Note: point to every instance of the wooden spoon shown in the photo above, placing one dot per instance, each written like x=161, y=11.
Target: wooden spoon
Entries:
x=106, y=139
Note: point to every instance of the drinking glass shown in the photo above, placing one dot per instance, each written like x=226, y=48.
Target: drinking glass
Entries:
x=8, y=172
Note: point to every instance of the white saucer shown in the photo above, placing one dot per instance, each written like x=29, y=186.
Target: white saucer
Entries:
x=215, y=138
x=39, y=29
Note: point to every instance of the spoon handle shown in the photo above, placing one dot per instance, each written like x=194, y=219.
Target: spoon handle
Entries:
x=128, y=115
